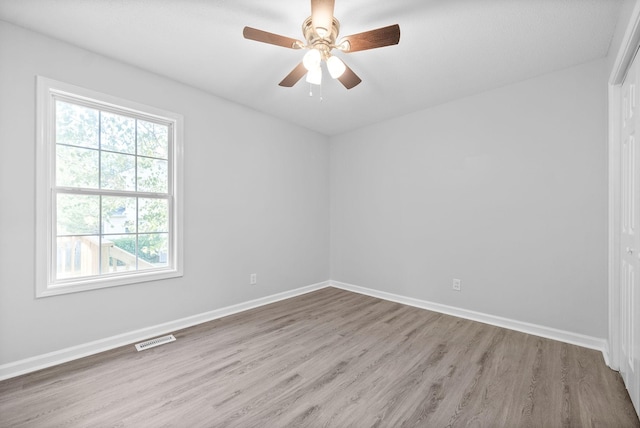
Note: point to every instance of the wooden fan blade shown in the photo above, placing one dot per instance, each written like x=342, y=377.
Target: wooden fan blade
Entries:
x=378, y=38
x=272, y=39
x=293, y=77
x=349, y=79
x=322, y=14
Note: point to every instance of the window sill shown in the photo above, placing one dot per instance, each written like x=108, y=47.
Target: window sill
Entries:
x=106, y=282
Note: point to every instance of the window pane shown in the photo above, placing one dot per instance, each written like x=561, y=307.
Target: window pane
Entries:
x=153, y=139
x=152, y=175
x=109, y=179
x=76, y=125
x=119, y=253
x=118, y=171
x=77, y=256
x=118, y=133
x=152, y=250
x=76, y=167
x=153, y=215
x=118, y=215
x=77, y=214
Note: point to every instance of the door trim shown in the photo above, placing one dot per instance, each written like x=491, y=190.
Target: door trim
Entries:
x=628, y=47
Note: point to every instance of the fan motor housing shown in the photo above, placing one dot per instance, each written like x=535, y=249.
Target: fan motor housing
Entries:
x=323, y=42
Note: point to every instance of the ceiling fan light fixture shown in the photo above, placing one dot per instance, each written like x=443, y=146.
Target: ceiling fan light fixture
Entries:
x=320, y=31
x=312, y=59
x=335, y=66
x=314, y=76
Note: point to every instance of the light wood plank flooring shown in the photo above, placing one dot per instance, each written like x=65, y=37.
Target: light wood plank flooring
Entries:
x=330, y=358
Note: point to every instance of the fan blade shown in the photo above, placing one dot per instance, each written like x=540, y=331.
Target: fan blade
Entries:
x=378, y=38
x=322, y=14
x=272, y=39
x=349, y=79
x=293, y=77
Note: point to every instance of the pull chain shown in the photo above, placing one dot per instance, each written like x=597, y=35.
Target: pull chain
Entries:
x=319, y=88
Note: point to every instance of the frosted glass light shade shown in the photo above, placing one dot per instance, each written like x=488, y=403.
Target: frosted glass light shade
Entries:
x=336, y=66
x=314, y=76
x=311, y=60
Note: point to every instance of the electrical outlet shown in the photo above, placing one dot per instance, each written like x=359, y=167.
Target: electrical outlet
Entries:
x=456, y=284
x=253, y=278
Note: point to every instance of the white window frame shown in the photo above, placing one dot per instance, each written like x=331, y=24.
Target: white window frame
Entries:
x=45, y=271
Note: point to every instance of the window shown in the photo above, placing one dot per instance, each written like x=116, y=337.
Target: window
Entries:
x=108, y=195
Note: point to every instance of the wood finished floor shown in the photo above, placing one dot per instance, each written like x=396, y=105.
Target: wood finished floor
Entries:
x=330, y=358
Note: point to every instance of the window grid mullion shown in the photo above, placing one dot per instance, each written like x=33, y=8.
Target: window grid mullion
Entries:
x=100, y=221
x=107, y=192
x=100, y=231
x=137, y=250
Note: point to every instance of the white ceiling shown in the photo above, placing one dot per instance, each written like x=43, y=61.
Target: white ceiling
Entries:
x=448, y=48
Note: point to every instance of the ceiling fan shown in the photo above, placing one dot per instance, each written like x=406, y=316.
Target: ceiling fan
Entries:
x=320, y=32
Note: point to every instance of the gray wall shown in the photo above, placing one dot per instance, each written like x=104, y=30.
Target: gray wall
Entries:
x=506, y=190
x=256, y=200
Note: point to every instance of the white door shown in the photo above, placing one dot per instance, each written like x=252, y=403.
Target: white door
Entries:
x=630, y=239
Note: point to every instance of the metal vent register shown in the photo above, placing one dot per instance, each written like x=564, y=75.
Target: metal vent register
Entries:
x=155, y=342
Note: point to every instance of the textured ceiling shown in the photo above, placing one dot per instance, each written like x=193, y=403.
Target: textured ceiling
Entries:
x=448, y=48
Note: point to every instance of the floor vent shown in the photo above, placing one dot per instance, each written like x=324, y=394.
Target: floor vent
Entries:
x=154, y=342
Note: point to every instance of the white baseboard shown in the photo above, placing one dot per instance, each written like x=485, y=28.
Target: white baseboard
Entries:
x=524, y=327
x=50, y=359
